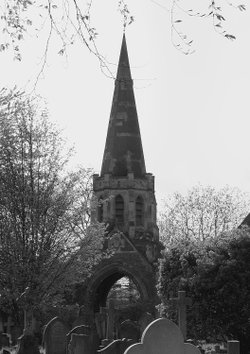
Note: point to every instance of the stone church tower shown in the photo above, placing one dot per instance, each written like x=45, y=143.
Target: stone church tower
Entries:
x=127, y=205
x=123, y=178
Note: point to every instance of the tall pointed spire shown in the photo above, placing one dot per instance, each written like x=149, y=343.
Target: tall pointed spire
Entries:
x=123, y=152
x=123, y=71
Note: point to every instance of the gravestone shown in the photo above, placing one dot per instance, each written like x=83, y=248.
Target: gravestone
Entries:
x=118, y=346
x=129, y=330
x=79, y=344
x=27, y=344
x=233, y=347
x=54, y=336
x=162, y=336
x=77, y=330
x=182, y=302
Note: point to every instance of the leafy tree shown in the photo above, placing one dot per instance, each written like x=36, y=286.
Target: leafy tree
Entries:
x=70, y=20
x=46, y=239
x=202, y=214
x=216, y=276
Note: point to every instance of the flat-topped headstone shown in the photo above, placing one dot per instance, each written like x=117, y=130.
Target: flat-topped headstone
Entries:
x=54, y=336
x=160, y=337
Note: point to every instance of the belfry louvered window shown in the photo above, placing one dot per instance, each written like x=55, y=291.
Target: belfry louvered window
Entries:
x=119, y=209
x=139, y=211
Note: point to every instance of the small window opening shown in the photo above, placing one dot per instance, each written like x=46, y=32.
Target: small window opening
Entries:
x=139, y=211
x=119, y=209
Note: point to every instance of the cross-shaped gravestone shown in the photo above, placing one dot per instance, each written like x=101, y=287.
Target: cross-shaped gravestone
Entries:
x=182, y=302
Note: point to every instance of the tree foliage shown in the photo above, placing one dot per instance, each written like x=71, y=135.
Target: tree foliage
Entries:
x=46, y=239
x=215, y=274
x=203, y=213
x=71, y=20
x=212, y=10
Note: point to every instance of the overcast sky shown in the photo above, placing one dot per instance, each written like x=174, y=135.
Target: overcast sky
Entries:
x=194, y=110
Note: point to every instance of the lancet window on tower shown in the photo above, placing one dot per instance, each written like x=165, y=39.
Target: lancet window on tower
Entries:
x=119, y=209
x=139, y=211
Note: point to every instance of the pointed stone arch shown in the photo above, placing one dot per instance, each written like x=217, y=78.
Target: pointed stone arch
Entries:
x=130, y=264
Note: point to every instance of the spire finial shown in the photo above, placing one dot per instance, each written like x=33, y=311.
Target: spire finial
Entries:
x=123, y=71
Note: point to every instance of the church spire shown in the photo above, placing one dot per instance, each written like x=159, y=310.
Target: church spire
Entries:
x=123, y=152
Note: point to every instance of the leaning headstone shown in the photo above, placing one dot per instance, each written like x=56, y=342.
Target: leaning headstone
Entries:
x=129, y=330
x=162, y=336
x=54, y=336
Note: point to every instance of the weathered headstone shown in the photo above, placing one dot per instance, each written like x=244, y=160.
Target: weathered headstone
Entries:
x=79, y=344
x=233, y=347
x=182, y=302
x=129, y=330
x=78, y=330
x=162, y=336
x=54, y=336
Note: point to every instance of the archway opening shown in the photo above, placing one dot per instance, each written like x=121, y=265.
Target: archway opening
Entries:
x=124, y=293
x=119, y=306
x=120, y=287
